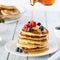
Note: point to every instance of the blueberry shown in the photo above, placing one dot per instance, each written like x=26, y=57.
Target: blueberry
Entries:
x=18, y=49
x=58, y=28
x=41, y=27
x=29, y=29
x=38, y=23
x=28, y=22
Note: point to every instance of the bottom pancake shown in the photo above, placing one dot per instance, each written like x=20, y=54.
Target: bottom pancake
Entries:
x=36, y=51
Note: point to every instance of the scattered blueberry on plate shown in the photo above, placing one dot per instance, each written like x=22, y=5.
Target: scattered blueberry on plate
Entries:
x=18, y=49
x=58, y=28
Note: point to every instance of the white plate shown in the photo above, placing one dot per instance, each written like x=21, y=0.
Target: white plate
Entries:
x=57, y=32
x=3, y=27
x=11, y=47
x=22, y=11
x=11, y=21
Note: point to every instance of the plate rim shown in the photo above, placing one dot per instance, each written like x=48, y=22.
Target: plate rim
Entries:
x=30, y=55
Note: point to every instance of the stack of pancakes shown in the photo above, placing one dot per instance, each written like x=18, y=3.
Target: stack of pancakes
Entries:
x=9, y=11
x=34, y=41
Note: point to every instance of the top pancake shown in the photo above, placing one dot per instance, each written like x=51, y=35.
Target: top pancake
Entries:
x=35, y=33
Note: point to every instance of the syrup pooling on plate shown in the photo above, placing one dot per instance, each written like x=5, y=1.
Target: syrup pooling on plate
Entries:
x=33, y=38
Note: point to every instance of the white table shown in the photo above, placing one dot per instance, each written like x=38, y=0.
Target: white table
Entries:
x=49, y=19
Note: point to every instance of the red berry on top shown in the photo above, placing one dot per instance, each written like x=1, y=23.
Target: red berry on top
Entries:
x=26, y=26
x=33, y=23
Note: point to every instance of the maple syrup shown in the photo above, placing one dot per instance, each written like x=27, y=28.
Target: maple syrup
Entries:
x=32, y=12
x=37, y=52
x=44, y=2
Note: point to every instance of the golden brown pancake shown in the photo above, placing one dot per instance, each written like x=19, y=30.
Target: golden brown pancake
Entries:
x=32, y=41
x=3, y=7
x=29, y=45
x=10, y=12
x=35, y=33
x=34, y=50
x=35, y=41
x=32, y=37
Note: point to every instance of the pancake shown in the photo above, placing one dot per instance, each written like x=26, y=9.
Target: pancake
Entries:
x=7, y=7
x=34, y=50
x=10, y=12
x=32, y=41
x=35, y=33
x=7, y=10
x=28, y=45
x=32, y=37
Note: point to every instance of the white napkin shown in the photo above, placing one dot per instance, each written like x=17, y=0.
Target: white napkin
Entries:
x=55, y=56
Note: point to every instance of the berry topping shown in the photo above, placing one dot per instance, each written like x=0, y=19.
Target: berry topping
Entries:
x=58, y=28
x=33, y=24
x=29, y=29
x=26, y=26
x=18, y=49
x=38, y=23
x=28, y=22
x=41, y=27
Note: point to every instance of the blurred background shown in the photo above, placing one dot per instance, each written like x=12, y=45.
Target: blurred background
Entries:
x=25, y=4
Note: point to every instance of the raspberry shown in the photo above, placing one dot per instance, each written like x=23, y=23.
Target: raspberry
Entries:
x=33, y=24
x=26, y=26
